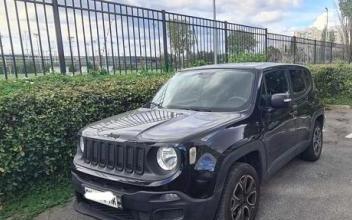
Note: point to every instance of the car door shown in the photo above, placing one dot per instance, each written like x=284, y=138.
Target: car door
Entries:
x=301, y=85
x=279, y=124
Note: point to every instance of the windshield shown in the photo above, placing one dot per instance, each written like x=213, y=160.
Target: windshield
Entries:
x=207, y=90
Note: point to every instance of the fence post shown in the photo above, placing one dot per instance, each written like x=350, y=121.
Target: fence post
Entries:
x=331, y=46
x=315, y=51
x=166, y=55
x=266, y=44
x=3, y=57
x=226, y=45
x=294, y=49
x=60, y=47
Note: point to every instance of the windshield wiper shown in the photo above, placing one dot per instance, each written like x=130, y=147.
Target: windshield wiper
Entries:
x=159, y=105
x=198, y=109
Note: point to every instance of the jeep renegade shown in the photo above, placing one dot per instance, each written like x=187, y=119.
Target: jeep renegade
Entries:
x=200, y=149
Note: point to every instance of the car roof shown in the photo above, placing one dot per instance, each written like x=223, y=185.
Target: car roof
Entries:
x=255, y=66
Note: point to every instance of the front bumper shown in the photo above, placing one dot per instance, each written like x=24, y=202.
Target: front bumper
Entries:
x=141, y=205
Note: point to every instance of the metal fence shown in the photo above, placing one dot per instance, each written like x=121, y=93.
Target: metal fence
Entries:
x=78, y=36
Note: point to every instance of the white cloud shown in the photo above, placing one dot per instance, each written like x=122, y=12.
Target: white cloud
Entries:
x=268, y=16
x=286, y=3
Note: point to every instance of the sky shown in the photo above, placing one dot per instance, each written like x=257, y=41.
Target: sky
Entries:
x=279, y=16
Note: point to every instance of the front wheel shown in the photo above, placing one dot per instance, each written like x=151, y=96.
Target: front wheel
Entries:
x=313, y=152
x=240, y=197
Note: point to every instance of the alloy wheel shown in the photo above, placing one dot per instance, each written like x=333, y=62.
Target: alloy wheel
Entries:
x=317, y=140
x=244, y=199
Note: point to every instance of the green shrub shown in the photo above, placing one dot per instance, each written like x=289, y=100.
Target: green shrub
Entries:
x=247, y=57
x=198, y=62
x=333, y=82
x=38, y=125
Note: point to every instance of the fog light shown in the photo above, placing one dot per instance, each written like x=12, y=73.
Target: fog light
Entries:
x=169, y=197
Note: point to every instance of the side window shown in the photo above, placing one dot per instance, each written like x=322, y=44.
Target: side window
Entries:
x=263, y=96
x=308, y=79
x=298, y=80
x=276, y=82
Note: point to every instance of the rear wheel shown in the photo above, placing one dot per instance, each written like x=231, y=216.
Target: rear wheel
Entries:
x=313, y=152
x=240, y=197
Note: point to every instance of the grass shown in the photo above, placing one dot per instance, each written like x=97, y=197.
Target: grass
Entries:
x=342, y=100
x=39, y=198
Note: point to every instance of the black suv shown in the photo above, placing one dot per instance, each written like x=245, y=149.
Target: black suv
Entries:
x=201, y=147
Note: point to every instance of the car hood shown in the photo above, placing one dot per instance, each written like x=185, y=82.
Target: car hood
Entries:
x=158, y=125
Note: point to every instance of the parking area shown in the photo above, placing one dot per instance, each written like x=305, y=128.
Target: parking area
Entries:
x=301, y=190
x=320, y=190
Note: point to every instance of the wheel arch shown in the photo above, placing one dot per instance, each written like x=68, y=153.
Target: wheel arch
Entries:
x=252, y=153
x=318, y=116
x=320, y=119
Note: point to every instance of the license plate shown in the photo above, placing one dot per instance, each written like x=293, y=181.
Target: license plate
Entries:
x=103, y=197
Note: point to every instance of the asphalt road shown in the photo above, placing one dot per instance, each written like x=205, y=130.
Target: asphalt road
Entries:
x=301, y=190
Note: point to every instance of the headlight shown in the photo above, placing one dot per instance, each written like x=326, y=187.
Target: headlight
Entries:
x=81, y=144
x=167, y=158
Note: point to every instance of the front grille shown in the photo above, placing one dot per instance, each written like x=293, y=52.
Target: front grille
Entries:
x=128, y=157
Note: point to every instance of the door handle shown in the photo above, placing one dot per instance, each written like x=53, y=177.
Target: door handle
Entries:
x=288, y=100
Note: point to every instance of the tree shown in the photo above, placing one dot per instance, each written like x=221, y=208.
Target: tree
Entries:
x=91, y=68
x=182, y=36
x=72, y=68
x=332, y=37
x=345, y=17
x=323, y=35
x=240, y=41
x=274, y=54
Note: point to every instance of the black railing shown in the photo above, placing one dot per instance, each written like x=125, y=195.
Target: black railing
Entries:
x=77, y=36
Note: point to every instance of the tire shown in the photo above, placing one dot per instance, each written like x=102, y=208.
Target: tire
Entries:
x=236, y=204
x=313, y=152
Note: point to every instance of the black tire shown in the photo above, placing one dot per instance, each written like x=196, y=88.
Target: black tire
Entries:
x=313, y=152
x=235, y=202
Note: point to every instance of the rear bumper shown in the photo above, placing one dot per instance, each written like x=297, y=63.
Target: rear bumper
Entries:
x=142, y=205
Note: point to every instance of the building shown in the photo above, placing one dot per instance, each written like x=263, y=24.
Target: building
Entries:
x=315, y=33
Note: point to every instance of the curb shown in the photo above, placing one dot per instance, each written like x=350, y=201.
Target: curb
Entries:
x=328, y=107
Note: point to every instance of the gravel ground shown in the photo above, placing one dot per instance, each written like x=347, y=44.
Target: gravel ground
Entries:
x=301, y=190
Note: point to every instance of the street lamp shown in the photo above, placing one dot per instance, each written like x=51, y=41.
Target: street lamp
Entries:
x=326, y=33
x=215, y=35
x=327, y=23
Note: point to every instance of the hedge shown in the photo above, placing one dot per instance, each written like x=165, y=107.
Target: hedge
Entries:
x=333, y=83
x=39, y=123
x=39, y=118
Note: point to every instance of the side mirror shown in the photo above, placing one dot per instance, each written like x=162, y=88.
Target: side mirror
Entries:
x=280, y=100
